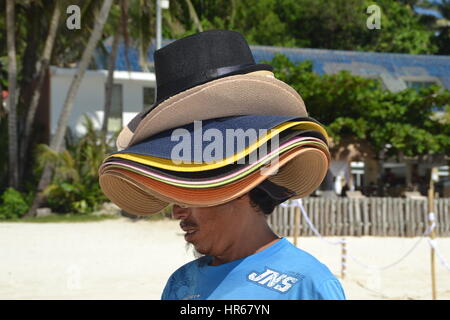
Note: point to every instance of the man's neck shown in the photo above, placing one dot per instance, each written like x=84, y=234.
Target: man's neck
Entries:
x=246, y=245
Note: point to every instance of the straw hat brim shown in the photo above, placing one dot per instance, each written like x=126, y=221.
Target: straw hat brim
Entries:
x=213, y=181
x=301, y=170
x=130, y=197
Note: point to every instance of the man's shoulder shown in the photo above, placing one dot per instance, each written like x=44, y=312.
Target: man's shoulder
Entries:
x=291, y=269
x=182, y=280
x=302, y=262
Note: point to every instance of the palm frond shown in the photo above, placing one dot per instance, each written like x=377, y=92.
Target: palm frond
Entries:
x=46, y=155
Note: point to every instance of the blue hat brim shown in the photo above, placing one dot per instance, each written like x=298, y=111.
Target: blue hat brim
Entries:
x=162, y=145
x=219, y=172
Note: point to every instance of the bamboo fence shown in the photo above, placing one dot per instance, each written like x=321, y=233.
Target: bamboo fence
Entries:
x=381, y=217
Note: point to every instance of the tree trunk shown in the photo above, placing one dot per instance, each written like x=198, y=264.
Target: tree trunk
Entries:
x=194, y=16
x=143, y=59
x=28, y=67
x=110, y=83
x=146, y=31
x=12, y=79
x=36, y=94
x=124, y=29
x=232, y=15
x=57, y=140
x=2, y=110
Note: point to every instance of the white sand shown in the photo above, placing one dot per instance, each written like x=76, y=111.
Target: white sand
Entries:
x=120, y=259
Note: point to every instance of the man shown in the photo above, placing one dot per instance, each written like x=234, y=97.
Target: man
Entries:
x=212, y=78
x=244, y=259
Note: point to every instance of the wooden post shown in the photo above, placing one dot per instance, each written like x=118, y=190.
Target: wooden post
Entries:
x=343, y=258
x=296, y=224
x=431, y=220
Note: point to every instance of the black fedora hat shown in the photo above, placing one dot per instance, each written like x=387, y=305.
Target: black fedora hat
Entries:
x=209, y=75
x=200, y=58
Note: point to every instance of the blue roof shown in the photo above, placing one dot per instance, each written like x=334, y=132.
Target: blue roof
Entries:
x=385, y=65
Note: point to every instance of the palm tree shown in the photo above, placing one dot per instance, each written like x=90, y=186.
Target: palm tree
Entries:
x=74, y=186
x=45, y=62
x=142, y=30
x=110, y=82
x=121, y=30
x=12, y=80
x=57, y=140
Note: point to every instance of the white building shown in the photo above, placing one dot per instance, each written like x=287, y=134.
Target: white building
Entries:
x=132, y=92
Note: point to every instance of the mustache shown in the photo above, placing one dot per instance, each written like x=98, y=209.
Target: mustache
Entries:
x=187, y=223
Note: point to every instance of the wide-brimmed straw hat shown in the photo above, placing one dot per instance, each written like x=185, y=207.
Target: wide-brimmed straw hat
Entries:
x=210, y=75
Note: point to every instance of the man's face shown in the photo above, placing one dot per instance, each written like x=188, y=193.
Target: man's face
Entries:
x=211, y=230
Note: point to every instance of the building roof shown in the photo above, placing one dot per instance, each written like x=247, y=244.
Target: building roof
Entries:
x=392, y=68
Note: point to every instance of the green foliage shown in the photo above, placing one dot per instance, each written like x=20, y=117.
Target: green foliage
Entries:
x=337, y=24
x=13, y=204
x=349, y=105
x=4, y=155
x=440, y=26
x=401, y=30
x=75, y=187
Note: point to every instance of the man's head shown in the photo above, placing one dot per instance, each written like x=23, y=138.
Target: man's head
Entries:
x=215, y=230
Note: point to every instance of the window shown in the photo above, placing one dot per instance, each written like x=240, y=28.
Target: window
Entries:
x=417, y=85
x=115, y=113
x=148, y=97
x=420, y=82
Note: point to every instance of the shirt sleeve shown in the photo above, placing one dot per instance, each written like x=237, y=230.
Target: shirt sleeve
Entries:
x=167, y=290
x=331, y=290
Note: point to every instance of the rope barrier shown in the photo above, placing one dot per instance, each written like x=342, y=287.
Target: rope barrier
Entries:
x=433, y=243
x=367, y=266
x=310, y=224
x=442, y=260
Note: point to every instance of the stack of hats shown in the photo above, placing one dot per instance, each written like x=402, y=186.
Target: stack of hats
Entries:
x=220, y=127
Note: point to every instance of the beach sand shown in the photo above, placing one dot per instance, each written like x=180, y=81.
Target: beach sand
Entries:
x=122, y=259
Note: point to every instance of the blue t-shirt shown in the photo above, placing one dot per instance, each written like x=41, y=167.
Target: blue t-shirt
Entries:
x=279, y=272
